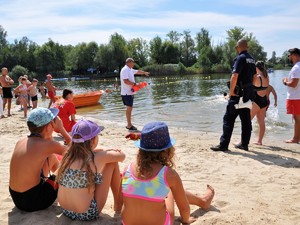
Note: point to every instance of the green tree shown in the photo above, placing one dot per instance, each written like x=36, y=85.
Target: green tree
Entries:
x=18, y=71
x=202, y=39
x=86, y=56
x=170, y=53
x=174, y=36
x=187, y=49
x=139, y=51
x=156, y=50
x=50, y=57
x=23, y=53
x=104, y=59
x=119, y=50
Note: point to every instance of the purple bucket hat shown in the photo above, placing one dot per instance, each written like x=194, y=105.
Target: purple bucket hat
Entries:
x=86, y=129
x=155, y=137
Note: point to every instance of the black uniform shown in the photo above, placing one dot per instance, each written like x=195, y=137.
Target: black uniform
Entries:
x=244, y=65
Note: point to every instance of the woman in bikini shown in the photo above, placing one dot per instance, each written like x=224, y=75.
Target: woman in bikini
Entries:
x=86, y=173
x=260, y=103
x=22, y=91
x=150, y=184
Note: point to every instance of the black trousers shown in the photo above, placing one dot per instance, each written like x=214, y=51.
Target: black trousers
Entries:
x=229, y=120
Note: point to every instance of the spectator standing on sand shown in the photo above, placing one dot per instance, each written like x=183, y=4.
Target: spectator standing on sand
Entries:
x=293, y=93
x=6, y=83
x=33, y=93
x=51, y=90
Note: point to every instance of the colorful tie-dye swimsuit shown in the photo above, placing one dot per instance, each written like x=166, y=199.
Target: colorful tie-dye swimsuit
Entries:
x=154, y=189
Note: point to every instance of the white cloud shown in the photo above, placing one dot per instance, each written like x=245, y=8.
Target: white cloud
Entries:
x=72, y=22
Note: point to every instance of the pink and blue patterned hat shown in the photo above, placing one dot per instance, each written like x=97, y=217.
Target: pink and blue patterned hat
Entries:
x=155, y=137
x=42, y=116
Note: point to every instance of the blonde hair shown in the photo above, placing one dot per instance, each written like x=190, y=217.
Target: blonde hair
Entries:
x=82, y=152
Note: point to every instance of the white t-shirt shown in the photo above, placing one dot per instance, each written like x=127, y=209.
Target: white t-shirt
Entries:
x=294, y=93
x=127, y=73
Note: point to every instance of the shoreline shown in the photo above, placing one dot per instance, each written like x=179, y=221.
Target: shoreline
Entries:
x=259, y=186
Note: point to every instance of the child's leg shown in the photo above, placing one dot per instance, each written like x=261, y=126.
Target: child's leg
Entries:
x=170, y=206
x=1, y=107
x=111, y=178
x=34, y=104
x=201, y=201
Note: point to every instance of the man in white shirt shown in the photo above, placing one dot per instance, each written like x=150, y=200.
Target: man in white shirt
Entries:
x=127, y=82
x=293, y=93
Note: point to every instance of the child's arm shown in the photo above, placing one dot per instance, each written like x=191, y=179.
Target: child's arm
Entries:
x=181, y=200
x=275, y=96
x=108, y=156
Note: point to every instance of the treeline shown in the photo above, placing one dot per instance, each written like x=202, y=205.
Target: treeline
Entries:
x=177, y=53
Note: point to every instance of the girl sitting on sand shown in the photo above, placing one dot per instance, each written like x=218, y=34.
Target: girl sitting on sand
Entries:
x=150, y=184
x=86, y=173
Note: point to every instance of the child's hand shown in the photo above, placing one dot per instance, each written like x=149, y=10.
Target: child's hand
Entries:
x=191, y=220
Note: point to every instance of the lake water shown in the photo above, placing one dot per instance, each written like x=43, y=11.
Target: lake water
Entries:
x=194, y=102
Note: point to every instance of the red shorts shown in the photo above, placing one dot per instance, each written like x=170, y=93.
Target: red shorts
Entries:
x=51, y=94
x=293, y=106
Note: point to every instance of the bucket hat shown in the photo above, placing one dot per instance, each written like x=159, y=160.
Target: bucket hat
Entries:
x=155, y=137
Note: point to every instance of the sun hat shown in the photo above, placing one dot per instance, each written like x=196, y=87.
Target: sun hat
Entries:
x=86, y=129
x=42, y=116
x=155, y=137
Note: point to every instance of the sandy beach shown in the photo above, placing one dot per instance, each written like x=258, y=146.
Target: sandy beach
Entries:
x=261, y=186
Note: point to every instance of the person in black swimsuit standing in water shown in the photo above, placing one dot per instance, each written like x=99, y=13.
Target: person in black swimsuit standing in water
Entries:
x=260, y=103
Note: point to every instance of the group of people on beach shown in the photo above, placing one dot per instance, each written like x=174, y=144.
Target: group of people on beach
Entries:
x=25, y=93
x=249, y=83
x=79, y=174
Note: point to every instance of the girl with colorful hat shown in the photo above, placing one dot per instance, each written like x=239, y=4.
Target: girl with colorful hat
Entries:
x=150, y=185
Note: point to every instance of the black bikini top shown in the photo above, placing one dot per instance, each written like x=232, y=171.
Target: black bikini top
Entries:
x=261, y=88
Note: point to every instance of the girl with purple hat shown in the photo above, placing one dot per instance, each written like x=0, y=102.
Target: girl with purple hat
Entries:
x=86, y=173
x=150, y=185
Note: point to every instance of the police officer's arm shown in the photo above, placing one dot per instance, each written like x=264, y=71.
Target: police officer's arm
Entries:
x=233, y=82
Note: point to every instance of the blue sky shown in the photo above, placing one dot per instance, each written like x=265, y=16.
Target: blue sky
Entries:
x=274, y=23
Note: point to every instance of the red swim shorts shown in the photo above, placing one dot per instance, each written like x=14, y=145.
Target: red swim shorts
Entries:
x=51, y=94
x=293, y=106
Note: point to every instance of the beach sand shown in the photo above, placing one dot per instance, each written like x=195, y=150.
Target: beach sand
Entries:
x=258, y=187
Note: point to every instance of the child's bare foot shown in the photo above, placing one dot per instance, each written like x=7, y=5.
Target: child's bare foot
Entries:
x=208, y=197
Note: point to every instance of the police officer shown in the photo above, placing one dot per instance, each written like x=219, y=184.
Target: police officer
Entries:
x=240, y=87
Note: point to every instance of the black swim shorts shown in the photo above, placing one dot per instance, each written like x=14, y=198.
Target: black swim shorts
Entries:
x=37, y=198
x=34, y=98
x=7, y=92
x=128, y=100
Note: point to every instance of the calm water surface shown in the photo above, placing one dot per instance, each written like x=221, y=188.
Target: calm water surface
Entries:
x=193, y=102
